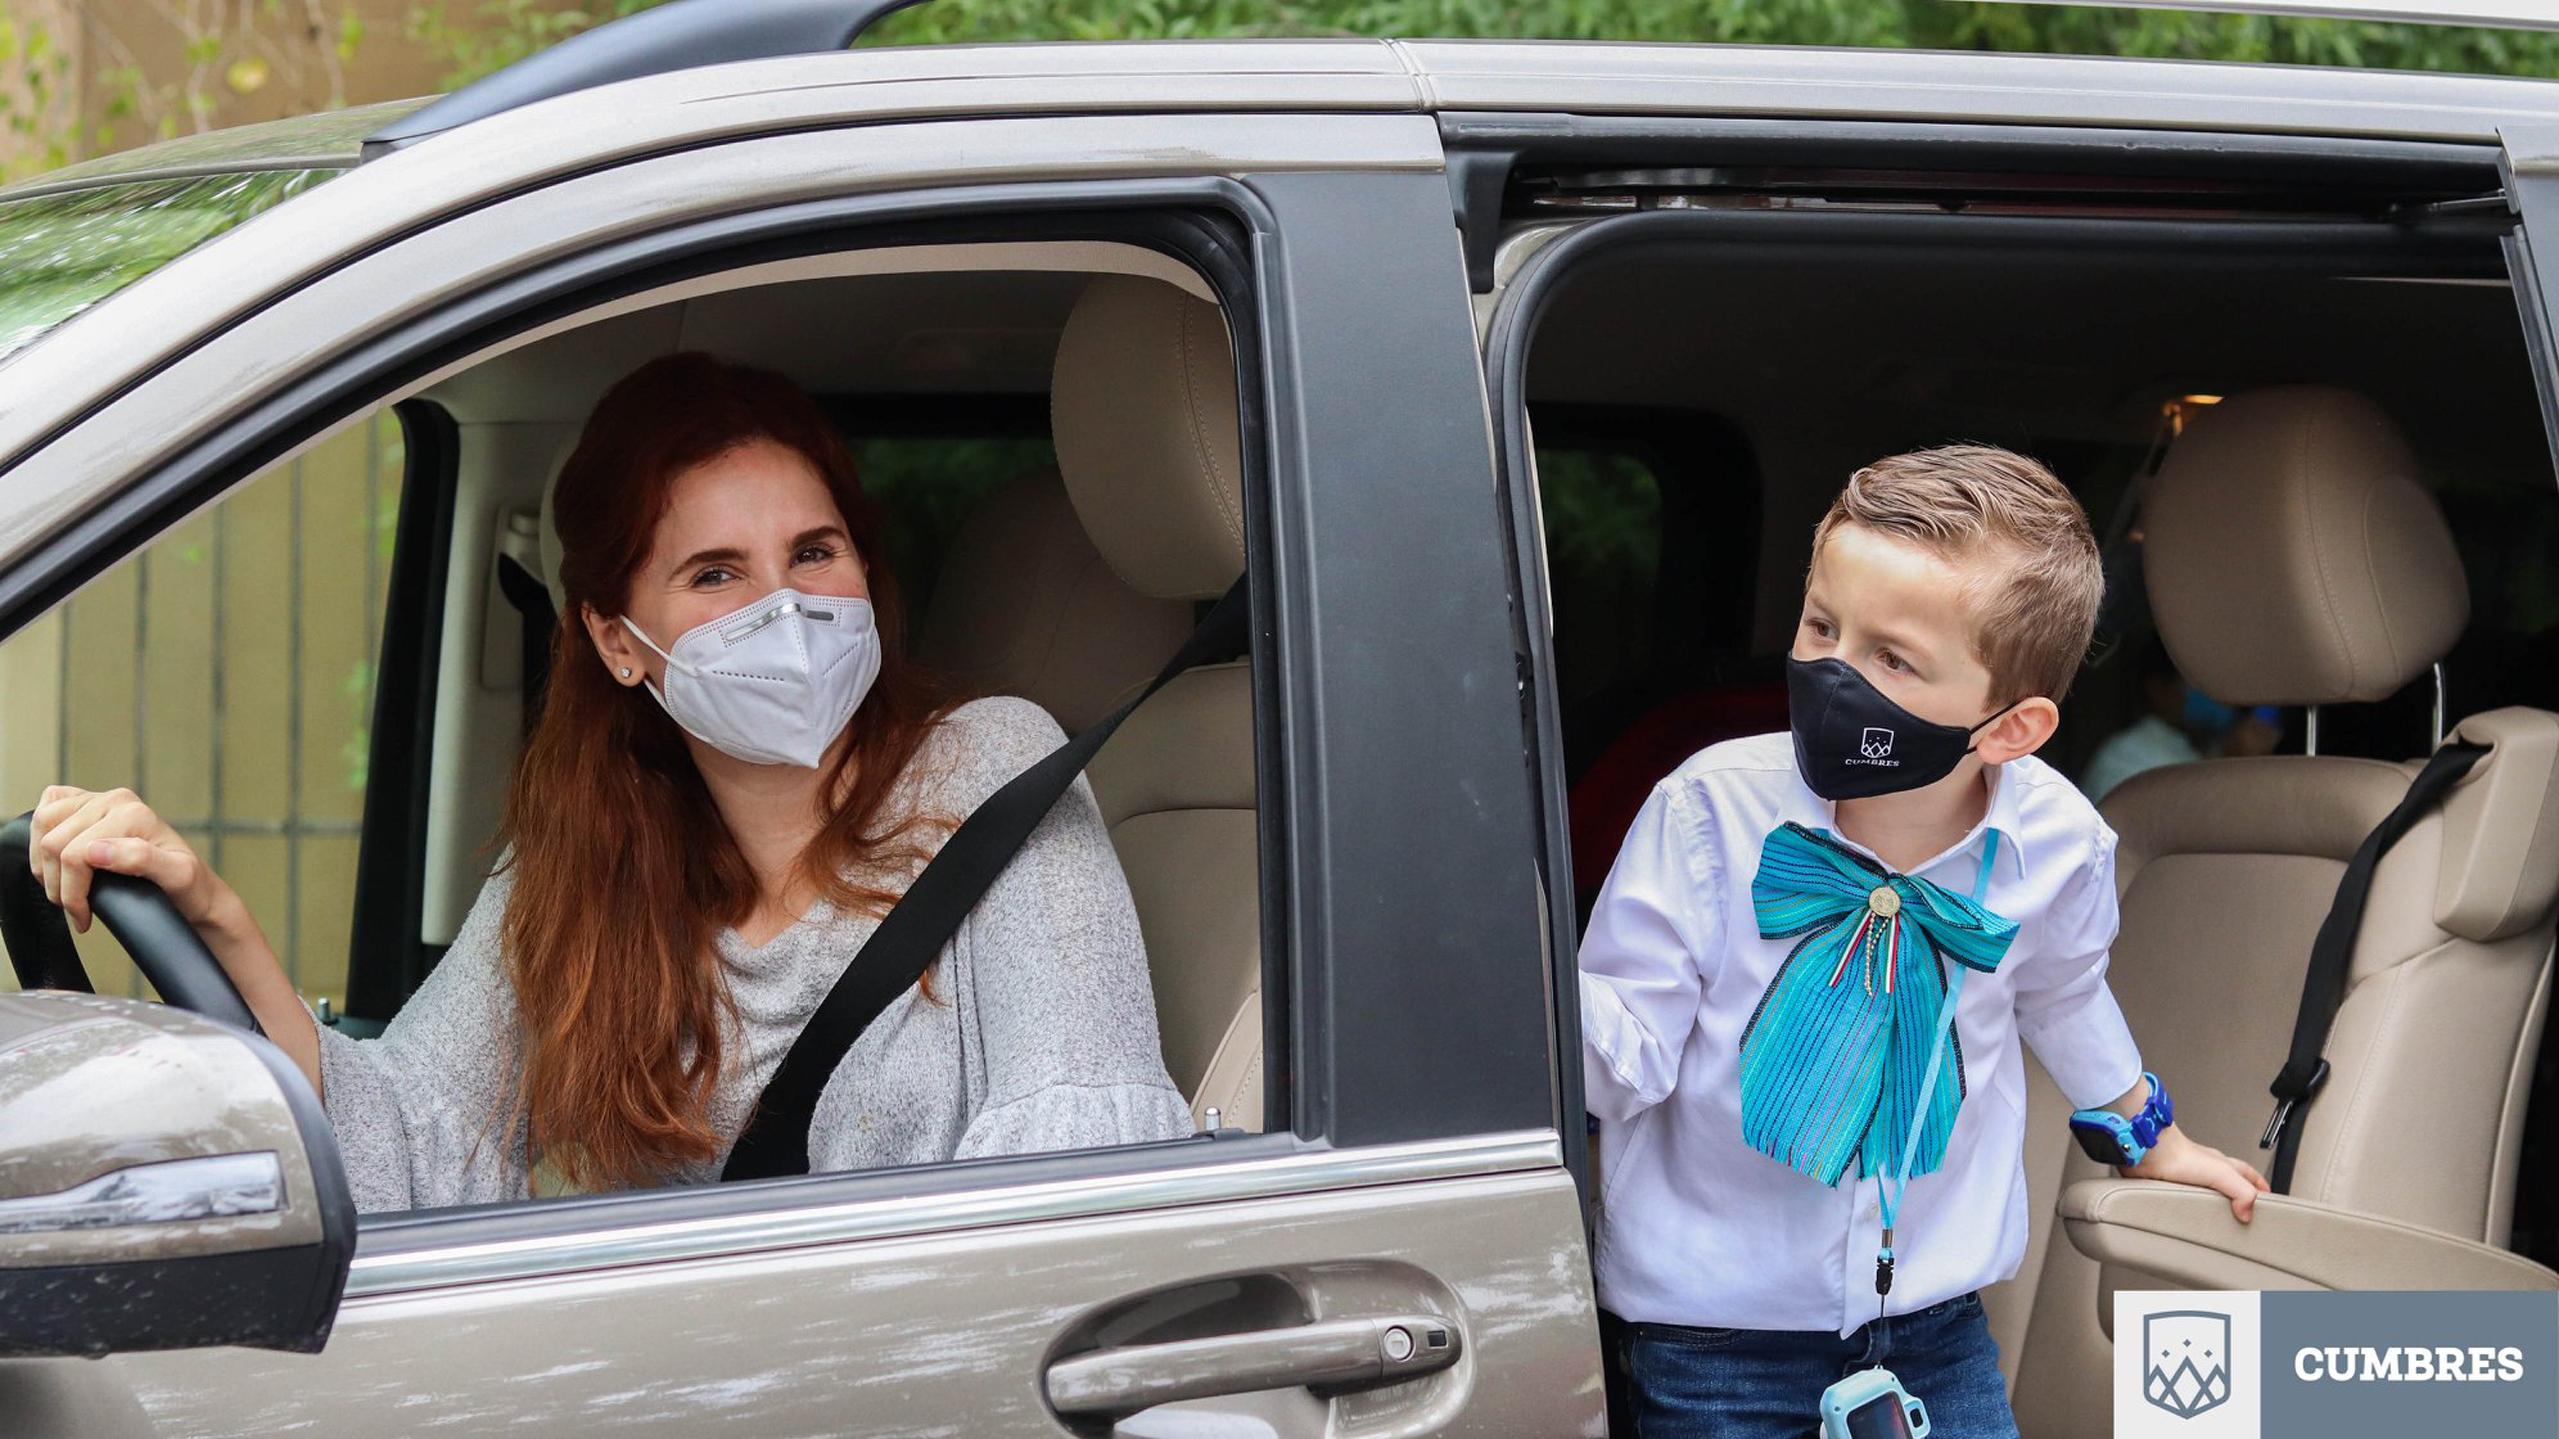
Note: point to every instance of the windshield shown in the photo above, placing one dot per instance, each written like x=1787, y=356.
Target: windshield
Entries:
x=61, y=253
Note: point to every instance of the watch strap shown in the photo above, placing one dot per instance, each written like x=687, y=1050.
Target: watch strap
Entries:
x=2131, y=1139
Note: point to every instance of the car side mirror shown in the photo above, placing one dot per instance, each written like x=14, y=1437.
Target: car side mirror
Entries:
x=166, y=1182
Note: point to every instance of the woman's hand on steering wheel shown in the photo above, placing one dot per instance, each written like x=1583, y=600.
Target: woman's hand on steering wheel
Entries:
x=78, y=831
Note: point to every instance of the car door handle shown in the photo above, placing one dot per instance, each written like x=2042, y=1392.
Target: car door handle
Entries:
x=1333, y=1353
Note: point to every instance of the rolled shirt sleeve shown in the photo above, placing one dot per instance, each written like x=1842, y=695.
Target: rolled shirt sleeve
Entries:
x=422, y=1114
x=1057, y=1025
x=2065, y=1009
x=1643, y=959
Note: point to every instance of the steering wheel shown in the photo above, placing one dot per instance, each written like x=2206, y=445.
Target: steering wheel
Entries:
x=143, y=919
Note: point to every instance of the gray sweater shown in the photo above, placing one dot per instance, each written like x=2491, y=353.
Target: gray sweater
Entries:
x=1040, y=1034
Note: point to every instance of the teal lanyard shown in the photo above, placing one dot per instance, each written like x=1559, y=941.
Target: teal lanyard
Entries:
x=1889, y=1187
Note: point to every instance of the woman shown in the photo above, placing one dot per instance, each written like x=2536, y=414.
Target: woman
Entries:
x=735, y=775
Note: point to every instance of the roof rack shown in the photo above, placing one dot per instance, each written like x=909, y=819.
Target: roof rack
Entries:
x=679, y=35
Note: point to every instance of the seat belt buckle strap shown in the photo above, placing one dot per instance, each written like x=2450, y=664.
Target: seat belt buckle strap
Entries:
x=2289, y=1090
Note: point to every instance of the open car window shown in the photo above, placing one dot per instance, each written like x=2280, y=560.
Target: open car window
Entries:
x=371, y=621
x=228, y=673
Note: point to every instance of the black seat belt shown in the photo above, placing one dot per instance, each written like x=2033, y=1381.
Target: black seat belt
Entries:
x=2323, y=985
x=536, y=618
x=776, y=1138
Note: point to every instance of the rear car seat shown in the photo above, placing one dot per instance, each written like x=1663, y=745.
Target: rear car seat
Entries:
x=2293, y=558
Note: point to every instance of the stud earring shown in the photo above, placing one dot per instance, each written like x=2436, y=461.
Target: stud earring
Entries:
x=626, y=672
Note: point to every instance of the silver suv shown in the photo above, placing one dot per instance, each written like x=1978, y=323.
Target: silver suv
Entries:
x=1287, y=309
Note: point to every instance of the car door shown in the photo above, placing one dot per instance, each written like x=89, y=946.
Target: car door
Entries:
x=1401, y=1252
x=2531, y=165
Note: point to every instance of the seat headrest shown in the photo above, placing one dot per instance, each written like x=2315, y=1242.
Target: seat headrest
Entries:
x=550, y=532
x=2293, y=556
x=1142, y=400
x=1024, y=606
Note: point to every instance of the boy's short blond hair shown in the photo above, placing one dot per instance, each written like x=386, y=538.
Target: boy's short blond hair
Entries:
x=2036, y=579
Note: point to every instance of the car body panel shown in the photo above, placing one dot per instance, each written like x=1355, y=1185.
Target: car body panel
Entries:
x=2532, y=253
x=1927, y=85
x=949, y=1288
x=915, y=1334
x=206, y=381
x=477, y=163
x=425, y=183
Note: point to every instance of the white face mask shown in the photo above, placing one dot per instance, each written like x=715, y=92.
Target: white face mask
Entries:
x=775, y=682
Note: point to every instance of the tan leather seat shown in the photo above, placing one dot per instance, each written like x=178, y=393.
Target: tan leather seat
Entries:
x=1143, y=404
x=1026, y=606
x=2293, y=558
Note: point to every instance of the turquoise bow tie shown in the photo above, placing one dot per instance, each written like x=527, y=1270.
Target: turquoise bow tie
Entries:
x=1834, y=1057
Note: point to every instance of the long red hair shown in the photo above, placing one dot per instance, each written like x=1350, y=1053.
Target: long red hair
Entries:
x=624, y=872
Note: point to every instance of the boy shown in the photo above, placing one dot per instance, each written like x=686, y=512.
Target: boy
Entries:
x=1766, y=977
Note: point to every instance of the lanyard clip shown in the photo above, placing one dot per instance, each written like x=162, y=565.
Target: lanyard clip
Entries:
x=1884, y=1267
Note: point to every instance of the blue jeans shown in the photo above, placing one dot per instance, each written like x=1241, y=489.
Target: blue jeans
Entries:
x=1685, y=1383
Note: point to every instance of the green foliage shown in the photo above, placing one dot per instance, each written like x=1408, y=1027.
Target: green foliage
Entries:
x=41, y=105
x=51, y=116
x=1936, y=24
x=927, y=487
x=35, y=96
x=476, y=37
x=1603, y=514
x=491, y=33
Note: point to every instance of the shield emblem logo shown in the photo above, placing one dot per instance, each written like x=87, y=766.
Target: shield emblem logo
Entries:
x=2185, y=1360
x=1875, y=743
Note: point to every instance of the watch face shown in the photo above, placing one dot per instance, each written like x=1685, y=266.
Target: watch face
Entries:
x=2099, y=1143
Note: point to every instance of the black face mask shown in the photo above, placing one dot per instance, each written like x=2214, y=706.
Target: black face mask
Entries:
x=1852, y=742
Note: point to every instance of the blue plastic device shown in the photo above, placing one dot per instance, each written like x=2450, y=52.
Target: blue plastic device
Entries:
x=1871, y=1404
x=2109, y=1138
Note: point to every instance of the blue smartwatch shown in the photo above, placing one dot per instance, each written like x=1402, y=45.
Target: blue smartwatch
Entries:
x=2109, y=1138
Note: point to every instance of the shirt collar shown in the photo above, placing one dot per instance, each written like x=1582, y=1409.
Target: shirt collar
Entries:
x=2004, y=813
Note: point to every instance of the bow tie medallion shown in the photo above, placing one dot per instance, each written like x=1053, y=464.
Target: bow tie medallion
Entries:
x=1834, y=1057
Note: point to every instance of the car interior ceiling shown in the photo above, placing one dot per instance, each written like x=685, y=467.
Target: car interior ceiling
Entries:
x=1788, y=376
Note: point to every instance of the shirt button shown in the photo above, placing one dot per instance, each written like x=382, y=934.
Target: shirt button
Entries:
x=1874, y=1210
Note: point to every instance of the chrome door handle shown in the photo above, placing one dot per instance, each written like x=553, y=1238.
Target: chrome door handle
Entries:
x=1335, y=1353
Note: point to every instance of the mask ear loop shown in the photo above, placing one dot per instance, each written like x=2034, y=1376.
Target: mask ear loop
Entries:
x=671, y=666
x=642, y=636
x=1968, y=734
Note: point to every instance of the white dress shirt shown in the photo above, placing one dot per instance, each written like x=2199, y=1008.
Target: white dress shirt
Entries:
x=1695, y=1226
